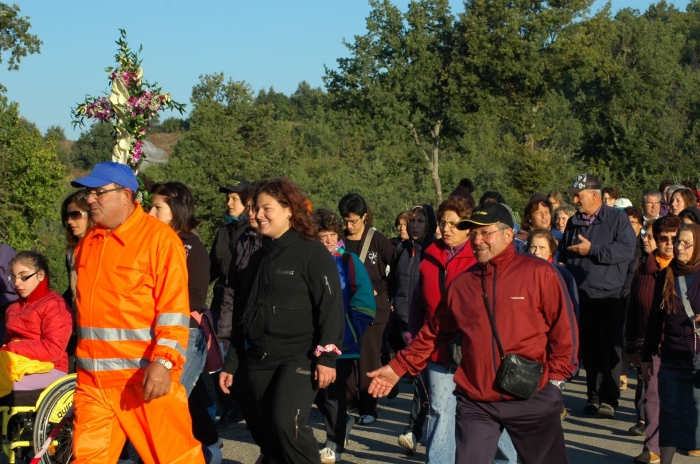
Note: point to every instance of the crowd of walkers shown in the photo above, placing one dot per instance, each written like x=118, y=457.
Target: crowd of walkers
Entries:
x=485, y=317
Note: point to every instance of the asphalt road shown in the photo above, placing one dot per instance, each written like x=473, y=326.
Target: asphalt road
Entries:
x=589, y=440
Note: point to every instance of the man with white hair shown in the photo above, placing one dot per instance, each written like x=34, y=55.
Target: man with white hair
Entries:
x=597, y=247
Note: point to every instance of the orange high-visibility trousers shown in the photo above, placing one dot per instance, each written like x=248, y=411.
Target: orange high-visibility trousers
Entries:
x=160, y=429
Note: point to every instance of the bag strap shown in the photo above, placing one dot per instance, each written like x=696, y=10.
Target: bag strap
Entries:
x=441, y=279
x=686, y=304
x=365, y=244
x=488, y=310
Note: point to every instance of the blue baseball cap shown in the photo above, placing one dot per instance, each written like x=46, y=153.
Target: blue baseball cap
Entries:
x=106, y=173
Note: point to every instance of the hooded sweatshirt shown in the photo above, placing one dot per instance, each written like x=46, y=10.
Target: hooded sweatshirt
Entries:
x=404, y=270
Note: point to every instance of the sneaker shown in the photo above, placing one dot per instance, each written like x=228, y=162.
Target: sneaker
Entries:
x=408, y=442
x=328, y=455
x=216, y=455
x=367, y=420
x=563, y=414
x=638, y=429
x=694, y=453
x=647, y=457
x=606, y=411
x=349, y=423
x=591, y=409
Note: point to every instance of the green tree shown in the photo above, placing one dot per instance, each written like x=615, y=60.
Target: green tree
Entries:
x=230, y=137
x=93, y=146
x=15, y=37
x=31, y=188
x=401, y=72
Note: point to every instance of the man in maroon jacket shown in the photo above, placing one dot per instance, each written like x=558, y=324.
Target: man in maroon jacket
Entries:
x=534, y=318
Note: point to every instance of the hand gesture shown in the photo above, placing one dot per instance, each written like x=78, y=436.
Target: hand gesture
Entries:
x=383, y=380
x=324, y=375
x=225, y=381
x=156, y=381
x=582, y=248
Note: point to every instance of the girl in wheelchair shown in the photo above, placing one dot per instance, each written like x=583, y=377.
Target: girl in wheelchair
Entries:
x=39, y=324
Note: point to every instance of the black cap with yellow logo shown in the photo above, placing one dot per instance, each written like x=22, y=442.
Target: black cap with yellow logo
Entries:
x=487, y=214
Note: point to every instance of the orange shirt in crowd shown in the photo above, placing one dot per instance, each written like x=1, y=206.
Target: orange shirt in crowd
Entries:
x=132, y=301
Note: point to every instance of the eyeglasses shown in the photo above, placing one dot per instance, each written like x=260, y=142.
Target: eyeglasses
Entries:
x=445, y=224
x=351, y=222
x=684, y=245
x=666, y=238
x=12, y=279
x=484, y=235
x=75, y=215
x=98, y=193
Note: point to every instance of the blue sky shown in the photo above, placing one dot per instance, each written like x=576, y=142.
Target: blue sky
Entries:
x=264, y=42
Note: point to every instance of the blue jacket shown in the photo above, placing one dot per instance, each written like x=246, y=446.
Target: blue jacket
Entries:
x=358, y=301
x=602, y=272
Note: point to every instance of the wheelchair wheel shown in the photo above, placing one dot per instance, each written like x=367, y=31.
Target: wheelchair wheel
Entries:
x=52, y=409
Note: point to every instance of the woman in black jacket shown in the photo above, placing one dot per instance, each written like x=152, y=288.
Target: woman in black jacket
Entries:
x=675, y=314
x=376, y=252
x=173, y=204
x=293, y=323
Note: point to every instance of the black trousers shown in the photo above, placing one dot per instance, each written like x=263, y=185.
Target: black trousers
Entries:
x=284, y=394
x=419, y=405
x=534, y=426
x=601, y=348
x=243, y=396
x=332, y=402
x=370, y=356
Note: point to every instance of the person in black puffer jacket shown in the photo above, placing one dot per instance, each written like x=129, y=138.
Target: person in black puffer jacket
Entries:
x=404, y=277
x=293, y=323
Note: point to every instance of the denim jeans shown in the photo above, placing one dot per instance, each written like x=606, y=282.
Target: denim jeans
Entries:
x=196, y=357
x=506, y=453
x=440, y=444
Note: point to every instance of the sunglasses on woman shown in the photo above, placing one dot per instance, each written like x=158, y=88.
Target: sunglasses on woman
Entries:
x=75, y=215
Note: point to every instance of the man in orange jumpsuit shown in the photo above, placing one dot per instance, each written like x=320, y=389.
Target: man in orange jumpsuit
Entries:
x=133, y=325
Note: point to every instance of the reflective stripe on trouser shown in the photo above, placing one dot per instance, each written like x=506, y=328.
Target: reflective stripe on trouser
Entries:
x=160, y=429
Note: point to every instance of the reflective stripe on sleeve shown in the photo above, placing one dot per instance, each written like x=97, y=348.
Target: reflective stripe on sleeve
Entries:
x=173, y=319
x=115, y=335
x=174, y=345
x=111, y=364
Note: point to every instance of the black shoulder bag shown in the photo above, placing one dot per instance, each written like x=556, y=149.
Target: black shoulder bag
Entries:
x=516, y=376
x=454, y=347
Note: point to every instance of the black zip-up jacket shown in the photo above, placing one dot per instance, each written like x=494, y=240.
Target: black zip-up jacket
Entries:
x=220, y=260
x=241, y=250
x=404, y=270
x=303, y=309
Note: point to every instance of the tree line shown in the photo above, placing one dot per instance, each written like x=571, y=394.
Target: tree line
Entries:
x=517, y=95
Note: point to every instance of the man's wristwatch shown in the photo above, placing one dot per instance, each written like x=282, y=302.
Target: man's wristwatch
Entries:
x=169, y=365
x=560, y=384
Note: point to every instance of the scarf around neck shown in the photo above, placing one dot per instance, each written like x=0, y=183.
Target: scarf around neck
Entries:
x=260, y=290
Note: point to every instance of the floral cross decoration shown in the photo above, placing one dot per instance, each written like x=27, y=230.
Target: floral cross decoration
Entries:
x=129, y=107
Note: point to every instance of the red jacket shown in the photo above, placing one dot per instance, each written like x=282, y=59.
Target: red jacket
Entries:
x=533, y=314
x=39, y=327
x=428, y=294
